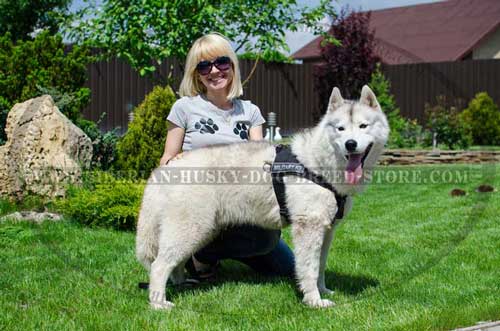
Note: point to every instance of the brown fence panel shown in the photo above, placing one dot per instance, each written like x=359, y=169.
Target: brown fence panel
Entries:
x=116, y=89
x=285, y=89
x=414, y=85
x=288, y=89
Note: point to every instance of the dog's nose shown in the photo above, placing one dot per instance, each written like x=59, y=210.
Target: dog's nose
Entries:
x=351, y=145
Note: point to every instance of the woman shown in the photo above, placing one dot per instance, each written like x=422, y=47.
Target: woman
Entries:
x=210, y=112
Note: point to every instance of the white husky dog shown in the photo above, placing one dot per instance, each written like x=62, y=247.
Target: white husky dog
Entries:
x=176, y=220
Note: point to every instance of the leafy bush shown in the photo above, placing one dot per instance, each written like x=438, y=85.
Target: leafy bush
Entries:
x=27, y=66
x=29, y=202
x=142, y=146
x=349, y=65
x=103, y=145
x=483, y=117
x=404, y=132
x=446, y=126
x=104, y=201
x=411, y=134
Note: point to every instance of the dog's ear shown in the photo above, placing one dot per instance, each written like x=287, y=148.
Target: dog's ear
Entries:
x=336, y=100
x=368, y=98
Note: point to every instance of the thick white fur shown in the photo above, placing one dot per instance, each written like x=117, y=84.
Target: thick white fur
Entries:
x=177, y=220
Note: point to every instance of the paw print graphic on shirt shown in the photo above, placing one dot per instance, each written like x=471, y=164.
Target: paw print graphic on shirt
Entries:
x=206, y=126
x=241, y=129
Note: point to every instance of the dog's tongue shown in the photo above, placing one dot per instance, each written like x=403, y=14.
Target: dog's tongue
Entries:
x=354, y=169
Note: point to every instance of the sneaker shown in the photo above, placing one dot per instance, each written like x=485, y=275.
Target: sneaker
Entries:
x=196, y=276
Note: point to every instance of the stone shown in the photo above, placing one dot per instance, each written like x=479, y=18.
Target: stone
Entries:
x=414, y=157
x=31, y=216
x=44, y=151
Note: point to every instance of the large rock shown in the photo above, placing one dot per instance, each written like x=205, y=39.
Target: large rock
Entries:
x=44, y=150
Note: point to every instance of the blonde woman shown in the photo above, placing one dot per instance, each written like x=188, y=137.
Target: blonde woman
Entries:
x=208, y=113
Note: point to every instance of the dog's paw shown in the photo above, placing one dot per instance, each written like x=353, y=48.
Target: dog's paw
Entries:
x=164, y=305
x=319, y=303
x=325, y=291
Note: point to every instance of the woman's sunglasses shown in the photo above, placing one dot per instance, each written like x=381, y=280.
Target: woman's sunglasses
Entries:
x=223, y=63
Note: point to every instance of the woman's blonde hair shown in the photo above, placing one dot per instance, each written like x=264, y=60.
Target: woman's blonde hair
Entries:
x=209, y=46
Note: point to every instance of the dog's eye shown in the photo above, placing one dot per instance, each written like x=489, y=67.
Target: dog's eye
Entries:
x=341, y=128
x=363, y=126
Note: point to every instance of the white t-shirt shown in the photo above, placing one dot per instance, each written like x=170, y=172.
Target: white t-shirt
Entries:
x=205, y=124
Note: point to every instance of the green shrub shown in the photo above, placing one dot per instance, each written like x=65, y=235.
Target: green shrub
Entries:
x=103, y=145
x=141, y=148
x=483, y=118
x=404, y=132
x=104, y=201
x=446, y=126
x=27, y=66
x=29, y=202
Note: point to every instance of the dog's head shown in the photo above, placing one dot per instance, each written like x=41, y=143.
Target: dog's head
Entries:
x=357, y=130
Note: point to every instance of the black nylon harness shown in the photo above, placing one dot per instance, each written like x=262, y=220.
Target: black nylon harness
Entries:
x=287, y=164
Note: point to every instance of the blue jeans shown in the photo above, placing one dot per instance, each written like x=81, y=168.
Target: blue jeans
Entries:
x=260, y=249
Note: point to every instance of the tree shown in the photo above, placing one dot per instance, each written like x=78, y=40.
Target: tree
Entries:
x=144, y=31
x=22, y=17
x=349, y=65
x=29, y=68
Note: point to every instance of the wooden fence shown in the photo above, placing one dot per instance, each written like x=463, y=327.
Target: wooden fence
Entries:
x=285, y=89
x=288, y=89
x=414, y=85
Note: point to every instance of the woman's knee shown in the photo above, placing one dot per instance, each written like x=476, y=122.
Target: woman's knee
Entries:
x=266, y=241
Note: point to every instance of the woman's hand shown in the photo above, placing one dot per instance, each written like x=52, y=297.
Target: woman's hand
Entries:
x=164, y=159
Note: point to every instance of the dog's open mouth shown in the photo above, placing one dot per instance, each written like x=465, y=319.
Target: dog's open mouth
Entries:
x=354, y=169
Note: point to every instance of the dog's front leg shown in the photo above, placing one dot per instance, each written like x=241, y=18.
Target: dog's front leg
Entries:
x=324, y=255
x=308, y=237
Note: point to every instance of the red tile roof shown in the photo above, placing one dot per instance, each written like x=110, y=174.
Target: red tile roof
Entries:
x=441, y=31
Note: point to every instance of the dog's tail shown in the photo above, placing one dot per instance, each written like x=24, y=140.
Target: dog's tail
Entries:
x=146, y=243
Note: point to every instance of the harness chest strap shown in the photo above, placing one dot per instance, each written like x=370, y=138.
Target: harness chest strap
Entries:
x=287, y=164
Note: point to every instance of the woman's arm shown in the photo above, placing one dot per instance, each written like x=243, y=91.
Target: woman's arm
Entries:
x=256, y=133
x=173, y=144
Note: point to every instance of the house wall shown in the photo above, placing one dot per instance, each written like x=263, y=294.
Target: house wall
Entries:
x=490, y=48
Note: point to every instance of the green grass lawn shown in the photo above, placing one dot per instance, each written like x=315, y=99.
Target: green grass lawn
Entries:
x=408, y=257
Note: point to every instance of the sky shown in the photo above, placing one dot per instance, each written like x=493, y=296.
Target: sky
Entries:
x=298, y=39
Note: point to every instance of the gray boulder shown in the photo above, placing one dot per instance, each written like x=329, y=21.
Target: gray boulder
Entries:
x=44, y=152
